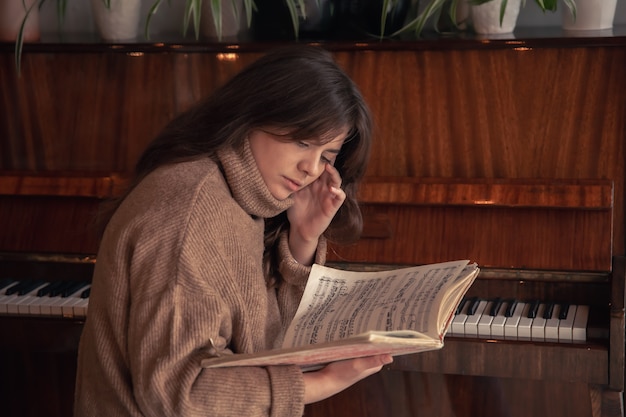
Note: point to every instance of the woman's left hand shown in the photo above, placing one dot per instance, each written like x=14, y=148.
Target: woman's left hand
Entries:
x=313, y=209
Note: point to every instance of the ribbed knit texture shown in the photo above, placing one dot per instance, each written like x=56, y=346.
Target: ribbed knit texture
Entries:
x=178, y=279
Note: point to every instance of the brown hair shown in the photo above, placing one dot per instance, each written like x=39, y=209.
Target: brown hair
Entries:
x=300, y=89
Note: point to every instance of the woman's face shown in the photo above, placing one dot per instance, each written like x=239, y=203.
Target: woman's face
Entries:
x=287, y=166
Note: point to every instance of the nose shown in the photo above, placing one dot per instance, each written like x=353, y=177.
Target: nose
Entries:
x=311, y=166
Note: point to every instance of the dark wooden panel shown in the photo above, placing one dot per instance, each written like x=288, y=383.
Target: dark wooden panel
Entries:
x=49, y=224
x=410, y=394
x=534, y=239
x=515, y=223
x=60, y=185
x=546, y=362
x=547, y=113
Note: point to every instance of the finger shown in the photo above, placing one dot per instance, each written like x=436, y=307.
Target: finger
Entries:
x=338, y=193
x=335, y=177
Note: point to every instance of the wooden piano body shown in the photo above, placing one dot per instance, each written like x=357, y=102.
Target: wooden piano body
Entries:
x=507, y=153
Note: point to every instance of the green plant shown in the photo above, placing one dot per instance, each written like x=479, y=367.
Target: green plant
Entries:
x=294, y=6
x=19, y=39
x=387, y=7
x=544, y=5
x=435, y=7
x=193, y=12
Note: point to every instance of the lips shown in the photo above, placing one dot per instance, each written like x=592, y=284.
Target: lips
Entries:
x=293, y=185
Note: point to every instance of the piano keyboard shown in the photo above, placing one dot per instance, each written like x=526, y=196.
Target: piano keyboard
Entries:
x=475, y=317
x=514, y=320
x=67, y=299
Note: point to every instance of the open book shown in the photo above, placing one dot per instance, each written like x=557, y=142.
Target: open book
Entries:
x=347, y=314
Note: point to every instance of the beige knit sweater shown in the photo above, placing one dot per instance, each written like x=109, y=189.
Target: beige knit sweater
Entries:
x=179, y=270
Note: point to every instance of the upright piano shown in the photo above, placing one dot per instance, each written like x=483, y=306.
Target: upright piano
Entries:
x=510, y=153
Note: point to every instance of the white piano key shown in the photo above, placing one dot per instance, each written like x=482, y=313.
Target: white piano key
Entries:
x=566, y=325
x=68, y=308
x=80, y=308
x=457, y=328
x=471, y=324
x=497, y=325
x=47, y=303
x=511, y=324
x=484, y=324
x=30, y=303
x=538, y=328
x=12, y=303
x=30, y=306
x=579, y=330
x=3, y=299
x=524, y=325
x=63, y=306
x=552, y=325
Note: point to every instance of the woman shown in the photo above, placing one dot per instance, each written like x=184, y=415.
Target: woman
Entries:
x=209, y=251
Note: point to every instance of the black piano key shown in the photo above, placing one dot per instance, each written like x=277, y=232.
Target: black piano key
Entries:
x=85, y=293
x=510, y=309
x=57, y=291
x=532, y=311
x=547, y=313
x=77, y=285
x=46, y=290
x=474, y=302
x=5, y=282
x=563, y=311
x=30, y=286
x=460, y=307
x=495, y=307
x=23, y=287
x=13, y=289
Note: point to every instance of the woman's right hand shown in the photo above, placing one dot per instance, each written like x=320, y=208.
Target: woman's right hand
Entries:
x=337, y=376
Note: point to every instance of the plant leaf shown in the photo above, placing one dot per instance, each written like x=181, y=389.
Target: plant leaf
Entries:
x=571, y=5
x=216, y=10
x=19, y=39
x=151, y=12
x=292, y=5
x=502, y=10
x=417, y=24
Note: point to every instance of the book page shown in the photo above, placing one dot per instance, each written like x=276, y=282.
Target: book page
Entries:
x=337, y=304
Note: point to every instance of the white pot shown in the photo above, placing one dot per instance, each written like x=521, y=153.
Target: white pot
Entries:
x=12, y=14
x=234, y=23
x=486, y=17
x=590, y=15
x=118, y=23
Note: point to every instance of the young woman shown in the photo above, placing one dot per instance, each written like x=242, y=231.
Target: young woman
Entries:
x=208, y=252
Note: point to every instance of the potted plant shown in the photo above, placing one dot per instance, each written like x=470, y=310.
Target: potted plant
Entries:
x=372, y=18
x=221, y=11
x=480, y=13
x=217, y=9
x=434, y=9
x=117, y=20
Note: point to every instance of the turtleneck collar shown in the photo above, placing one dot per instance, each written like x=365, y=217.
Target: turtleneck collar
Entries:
x=247, y=185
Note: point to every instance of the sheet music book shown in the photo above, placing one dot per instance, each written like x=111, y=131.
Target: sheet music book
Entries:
x=348, y=314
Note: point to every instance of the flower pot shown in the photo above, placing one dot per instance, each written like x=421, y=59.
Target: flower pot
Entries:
x=120, y=22
x=590, y=15
x=486, y=17
x=12, y=14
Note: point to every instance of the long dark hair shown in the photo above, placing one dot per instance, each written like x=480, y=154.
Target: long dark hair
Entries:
x=300, y=89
